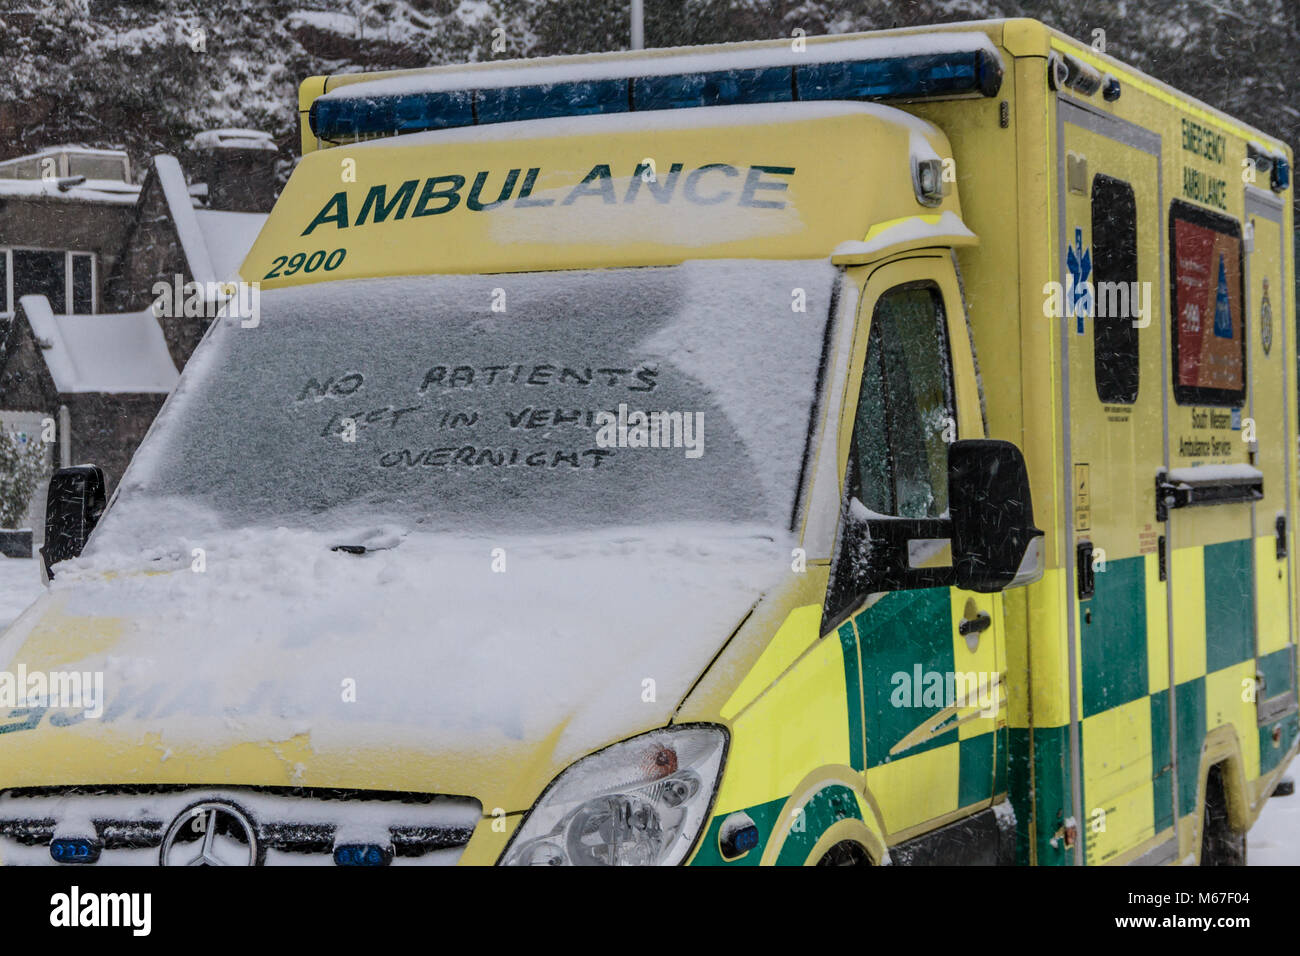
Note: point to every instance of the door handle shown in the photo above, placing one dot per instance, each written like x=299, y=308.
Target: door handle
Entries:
x=974, y=625
x=1087, y=579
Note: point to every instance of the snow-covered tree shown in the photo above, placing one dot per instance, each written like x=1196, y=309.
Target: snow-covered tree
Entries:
x=22, y=471
x=148, y=74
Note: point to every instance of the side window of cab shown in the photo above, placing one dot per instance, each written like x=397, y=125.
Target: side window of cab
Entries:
x=898, y=464
x=897, y=473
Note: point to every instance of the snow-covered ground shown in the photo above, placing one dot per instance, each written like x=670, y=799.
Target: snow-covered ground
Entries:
x=1274, y=840
x=20, y=585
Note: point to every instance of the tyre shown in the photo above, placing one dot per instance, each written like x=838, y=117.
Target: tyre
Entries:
x=1220, y=844
x=845, y=853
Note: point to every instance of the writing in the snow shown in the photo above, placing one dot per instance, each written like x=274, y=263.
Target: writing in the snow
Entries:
x=450, y=407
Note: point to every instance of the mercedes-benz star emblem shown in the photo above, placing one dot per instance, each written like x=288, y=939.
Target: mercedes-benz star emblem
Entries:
x=210, y=834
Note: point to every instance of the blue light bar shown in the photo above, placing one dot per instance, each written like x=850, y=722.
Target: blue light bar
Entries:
x=936, y=74
x=894, y=77
x=716, y=88
x=411, y=113
x=579, y=98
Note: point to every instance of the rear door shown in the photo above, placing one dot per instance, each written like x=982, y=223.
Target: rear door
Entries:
x=1269, y=410
x=1210, y=487
x=1110, y=268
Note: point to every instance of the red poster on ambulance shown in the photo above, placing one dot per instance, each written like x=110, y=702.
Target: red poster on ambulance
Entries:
x=1209, y=332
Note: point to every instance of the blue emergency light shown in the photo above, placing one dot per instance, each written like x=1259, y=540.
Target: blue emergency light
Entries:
x=935, y=74
x=362, y=854
x=716, y=88
x=1275, y=165
x=579, y=98
x=1280, y=181
x=908, y=76
x=74, y=850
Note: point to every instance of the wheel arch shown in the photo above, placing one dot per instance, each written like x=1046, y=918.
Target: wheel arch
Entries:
x=866, y=828
x=1222, y=751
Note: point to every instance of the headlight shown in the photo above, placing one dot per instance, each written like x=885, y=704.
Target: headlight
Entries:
x=641, y=802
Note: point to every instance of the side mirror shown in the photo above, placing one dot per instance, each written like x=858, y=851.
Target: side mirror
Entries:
x=985, y=542
x=72, y=508
x=995, y=544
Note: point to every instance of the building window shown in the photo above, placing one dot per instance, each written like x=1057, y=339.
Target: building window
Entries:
x=42, y=272
x=67, y=279
x=81, y=282
x=1115, y=338
x=1209, y=323
x=98, y=166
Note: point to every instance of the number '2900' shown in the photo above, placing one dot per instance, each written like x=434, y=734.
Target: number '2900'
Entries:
x=283, y=266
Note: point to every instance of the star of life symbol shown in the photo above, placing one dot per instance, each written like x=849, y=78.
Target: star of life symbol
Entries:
x=1078, y=290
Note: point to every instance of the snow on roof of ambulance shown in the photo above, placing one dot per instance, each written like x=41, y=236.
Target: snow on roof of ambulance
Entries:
x=1265, y=149
x=667, y=62
x=940, y=228
x=101, y=353
x=234, y=138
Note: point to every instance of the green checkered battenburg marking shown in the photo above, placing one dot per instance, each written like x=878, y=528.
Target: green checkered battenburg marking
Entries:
x=823, y=810
x=853, y=692
x=1278, y=671
x=1113, y=644
x=910, y=633
x=1229, y=605
x=1162, y=762
x=1115, y=671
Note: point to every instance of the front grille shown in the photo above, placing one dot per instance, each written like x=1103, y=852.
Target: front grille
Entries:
x=289, y=825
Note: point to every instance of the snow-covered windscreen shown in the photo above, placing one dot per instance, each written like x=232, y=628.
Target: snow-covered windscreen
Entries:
x=529, y=402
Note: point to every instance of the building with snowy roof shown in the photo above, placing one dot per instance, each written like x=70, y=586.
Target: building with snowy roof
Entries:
x=82, y=248
x=65, y=213
x=100, y=377
x=199, y=238
x=75, y=228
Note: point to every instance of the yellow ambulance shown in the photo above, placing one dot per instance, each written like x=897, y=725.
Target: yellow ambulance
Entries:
x=853, y=450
